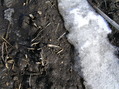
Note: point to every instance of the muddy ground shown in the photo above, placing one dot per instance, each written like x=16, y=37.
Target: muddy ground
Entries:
x=34, y=50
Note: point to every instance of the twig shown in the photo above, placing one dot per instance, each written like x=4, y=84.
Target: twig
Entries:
x=40, y=32
x=57, y=27
x=112, y=22
x=53, y=46
x=6, y=41
x=62, y=35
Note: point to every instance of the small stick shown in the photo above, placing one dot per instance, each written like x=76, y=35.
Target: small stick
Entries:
x=30, y=80
x=57, y=27
x=3, y=44
x=19, y=86
x=112, y=22
x=6, y=41
x=62, y=35
x=60, y=51
x=40, y=32
x=53, y=46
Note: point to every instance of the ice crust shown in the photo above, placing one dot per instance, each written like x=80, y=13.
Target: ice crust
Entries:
x=88, y=33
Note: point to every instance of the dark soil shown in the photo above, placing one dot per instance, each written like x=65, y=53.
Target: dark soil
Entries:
x=36, y=56
x=35, y=53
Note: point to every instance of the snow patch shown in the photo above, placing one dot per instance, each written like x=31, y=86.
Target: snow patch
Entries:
x=88, y=33
x=8, y=15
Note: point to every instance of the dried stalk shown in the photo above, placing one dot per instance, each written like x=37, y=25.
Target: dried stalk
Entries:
x=108, y=19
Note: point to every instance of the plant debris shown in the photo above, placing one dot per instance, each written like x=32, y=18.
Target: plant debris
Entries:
x=35, y=53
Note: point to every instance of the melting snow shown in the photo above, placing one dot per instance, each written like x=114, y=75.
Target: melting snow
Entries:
x=8, y=15
x=88, y=33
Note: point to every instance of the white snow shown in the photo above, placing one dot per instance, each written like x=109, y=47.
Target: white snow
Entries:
x=88, y=33
x=8, y=15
